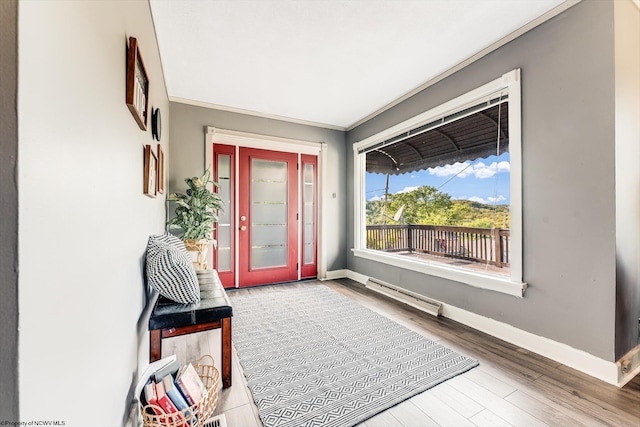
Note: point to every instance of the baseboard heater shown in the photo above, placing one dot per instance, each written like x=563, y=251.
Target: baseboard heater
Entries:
x=410, y=298
x=217, y=421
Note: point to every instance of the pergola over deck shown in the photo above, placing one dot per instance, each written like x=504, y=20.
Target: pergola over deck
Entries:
x=465, y=135
x=479, y=131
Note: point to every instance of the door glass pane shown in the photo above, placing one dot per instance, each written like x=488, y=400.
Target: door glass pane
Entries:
x=224, y=259
x=268, y=256
x=308, y=189
x=224, y=218
x=269, y=214
x=269, y=235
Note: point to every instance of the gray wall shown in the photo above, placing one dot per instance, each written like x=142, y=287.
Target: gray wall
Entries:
x=9, y=402
x=188, y=150
x=569, y=213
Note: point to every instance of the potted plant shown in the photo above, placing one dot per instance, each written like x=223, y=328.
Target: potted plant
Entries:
x=196, y=213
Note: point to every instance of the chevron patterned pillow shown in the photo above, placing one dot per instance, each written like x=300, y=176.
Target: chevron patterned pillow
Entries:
x=170, y=269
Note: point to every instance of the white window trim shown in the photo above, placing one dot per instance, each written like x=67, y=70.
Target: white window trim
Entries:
x=266, y=142
x=512, y=285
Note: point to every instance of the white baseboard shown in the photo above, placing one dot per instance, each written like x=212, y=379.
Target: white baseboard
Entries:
x=561, y=353
x=335, y=274
x=360, y=278
x=554, y=350
x=346, y=273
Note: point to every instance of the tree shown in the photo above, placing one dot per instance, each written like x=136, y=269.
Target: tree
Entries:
x=374, y=212
x=424, y=205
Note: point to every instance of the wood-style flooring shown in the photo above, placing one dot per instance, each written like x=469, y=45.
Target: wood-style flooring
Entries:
x=511, y=387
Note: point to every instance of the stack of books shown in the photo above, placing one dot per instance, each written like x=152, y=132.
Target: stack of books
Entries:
x=166, y=388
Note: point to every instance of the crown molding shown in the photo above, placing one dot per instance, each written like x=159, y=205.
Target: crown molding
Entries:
x=254, y=113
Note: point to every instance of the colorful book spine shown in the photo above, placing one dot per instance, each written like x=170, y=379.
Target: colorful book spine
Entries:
x=167, y=405
x=173, y=393
x=190, y=384
x=151, y=399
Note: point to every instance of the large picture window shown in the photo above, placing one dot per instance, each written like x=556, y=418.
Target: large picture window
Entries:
x=440, y=193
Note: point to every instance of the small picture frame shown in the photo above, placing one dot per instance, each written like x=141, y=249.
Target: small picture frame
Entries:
x=160, y=174
x=150, y=172
x=137, y=90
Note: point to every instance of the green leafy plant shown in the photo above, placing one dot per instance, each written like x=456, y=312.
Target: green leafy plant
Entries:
x=196, y=211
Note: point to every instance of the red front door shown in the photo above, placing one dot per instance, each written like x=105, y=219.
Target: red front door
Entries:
x=267, y=231
x=267, y=217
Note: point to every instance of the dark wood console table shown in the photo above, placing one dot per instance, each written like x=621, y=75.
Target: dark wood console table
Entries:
x=172, y=319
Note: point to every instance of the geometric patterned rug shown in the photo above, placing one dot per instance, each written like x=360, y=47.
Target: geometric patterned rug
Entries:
x=313, y=357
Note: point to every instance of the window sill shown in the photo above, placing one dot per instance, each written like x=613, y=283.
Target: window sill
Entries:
x=479, y=280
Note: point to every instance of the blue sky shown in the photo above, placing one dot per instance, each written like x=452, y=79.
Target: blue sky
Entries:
x=481, y=180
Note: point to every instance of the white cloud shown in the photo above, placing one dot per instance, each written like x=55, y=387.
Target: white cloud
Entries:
x=481, y=171
x=460, y=169
x=488, y=200
x=478, y=170
x=477, y=199
x=375, y=198
x=408, y=189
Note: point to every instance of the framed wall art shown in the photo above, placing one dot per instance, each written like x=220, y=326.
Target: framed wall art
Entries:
x=150, y=172
x=160, y=174
x=137, y=85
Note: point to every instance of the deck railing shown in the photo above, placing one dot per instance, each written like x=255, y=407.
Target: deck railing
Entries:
x=483, y=245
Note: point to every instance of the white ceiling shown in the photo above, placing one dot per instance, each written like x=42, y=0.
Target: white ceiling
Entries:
x=329, y=62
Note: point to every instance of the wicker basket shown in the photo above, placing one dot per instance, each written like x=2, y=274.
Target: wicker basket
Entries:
x=198, y=249
x=199, y=412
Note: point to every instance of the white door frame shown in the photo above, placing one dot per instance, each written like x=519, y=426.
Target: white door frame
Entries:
x=266, y=142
